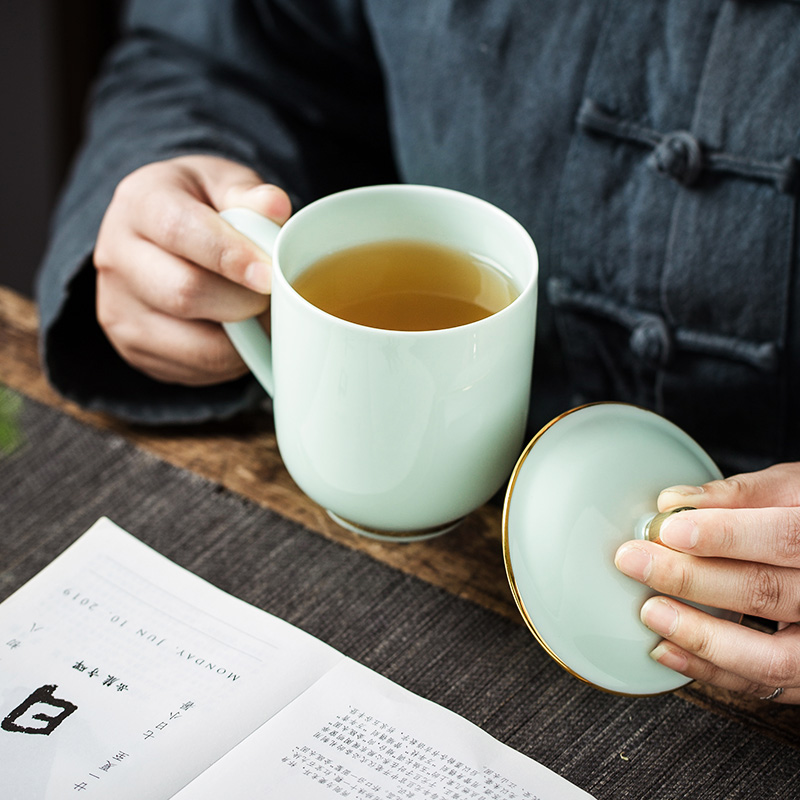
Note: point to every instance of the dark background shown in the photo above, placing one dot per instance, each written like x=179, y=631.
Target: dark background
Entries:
x=49, y=53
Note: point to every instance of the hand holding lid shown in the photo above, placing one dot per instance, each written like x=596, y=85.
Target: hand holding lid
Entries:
x=587, y=483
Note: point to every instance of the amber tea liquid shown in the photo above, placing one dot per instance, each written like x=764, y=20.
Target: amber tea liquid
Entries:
x=406, y=285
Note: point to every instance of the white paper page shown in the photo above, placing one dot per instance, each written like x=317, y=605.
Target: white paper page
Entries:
x=357, y=735
x=123, y=675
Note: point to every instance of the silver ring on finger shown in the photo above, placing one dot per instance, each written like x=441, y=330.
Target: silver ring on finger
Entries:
x=774, y=696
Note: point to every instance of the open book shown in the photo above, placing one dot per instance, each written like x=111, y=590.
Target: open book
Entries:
x=124, y=676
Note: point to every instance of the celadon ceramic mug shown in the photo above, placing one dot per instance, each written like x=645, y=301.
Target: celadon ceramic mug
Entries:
x=397, y=434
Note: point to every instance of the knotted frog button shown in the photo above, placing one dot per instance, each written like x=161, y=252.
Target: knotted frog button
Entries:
x=678, y=155
x=651, y=341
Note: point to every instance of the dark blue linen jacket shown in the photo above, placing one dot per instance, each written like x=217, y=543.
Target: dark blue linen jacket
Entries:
x=650, y=147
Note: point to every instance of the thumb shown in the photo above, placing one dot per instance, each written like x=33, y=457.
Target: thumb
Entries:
x=775, y=486
x=228, y=184
x=263, y=198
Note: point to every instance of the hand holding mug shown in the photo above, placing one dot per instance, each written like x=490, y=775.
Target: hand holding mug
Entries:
x=169, y=269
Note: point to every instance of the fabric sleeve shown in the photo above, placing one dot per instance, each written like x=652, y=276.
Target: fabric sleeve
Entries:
x=290, y=88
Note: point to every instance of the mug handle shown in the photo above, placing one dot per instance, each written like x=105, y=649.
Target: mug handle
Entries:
x=247, y=336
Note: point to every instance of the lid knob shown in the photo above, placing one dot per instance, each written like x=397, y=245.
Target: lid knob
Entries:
x=649, y=528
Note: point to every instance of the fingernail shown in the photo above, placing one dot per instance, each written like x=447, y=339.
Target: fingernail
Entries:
x=679, y=532
x=669, y=657
x=264, y=191
x=272, y=200
x=684, y=491
x=634, y=561
x=660, y=616
x=264, y=188
x=258, y=277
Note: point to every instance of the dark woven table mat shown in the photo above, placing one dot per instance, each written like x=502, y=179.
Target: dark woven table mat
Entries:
x=481, y=665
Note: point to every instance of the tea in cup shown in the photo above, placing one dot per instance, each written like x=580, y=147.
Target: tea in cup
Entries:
x=400, y=354
x=406, y=285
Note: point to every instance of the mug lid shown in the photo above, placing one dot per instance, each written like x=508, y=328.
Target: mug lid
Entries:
x=585, y=484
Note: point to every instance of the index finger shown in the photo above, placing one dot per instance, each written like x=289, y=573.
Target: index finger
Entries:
x=194, y=231
x=778, y=485
x=761, y=535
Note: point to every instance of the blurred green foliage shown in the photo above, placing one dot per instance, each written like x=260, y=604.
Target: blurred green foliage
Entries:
x=10, y=433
